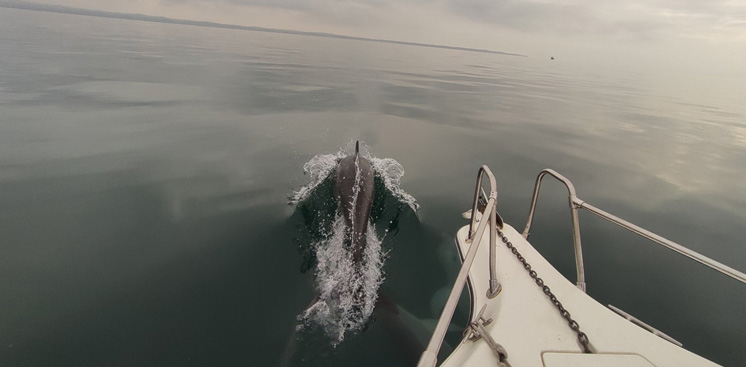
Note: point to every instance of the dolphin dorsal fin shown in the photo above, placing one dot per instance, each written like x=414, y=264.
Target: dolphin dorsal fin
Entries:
x=357, y=147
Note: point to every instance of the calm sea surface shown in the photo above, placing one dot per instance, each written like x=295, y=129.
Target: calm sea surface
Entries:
x=145, y=170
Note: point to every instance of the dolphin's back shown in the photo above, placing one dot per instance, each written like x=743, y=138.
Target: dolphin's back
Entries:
x=353, y=188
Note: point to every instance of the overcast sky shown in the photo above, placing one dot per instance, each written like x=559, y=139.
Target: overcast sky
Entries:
x=685, y=34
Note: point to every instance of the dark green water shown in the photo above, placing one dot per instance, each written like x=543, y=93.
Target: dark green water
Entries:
x=145, y=170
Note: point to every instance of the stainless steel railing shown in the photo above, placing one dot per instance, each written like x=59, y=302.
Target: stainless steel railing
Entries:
x=580, y=281
x=495, y=222
x=576, y=203
x=430, y=356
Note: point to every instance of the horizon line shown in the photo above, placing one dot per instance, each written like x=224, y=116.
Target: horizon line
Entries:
x=62, y=9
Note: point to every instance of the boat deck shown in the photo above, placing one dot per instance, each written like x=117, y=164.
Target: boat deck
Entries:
x=532, y=330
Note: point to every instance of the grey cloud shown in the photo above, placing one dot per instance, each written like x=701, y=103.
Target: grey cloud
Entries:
x=598, y=17
x=282, y=4
x=339, y=12
x=527, y=15
x=634, y=19
x=646, y=19
x=318, y=6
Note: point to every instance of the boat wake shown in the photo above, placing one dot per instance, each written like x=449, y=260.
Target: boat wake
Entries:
x=347, y=290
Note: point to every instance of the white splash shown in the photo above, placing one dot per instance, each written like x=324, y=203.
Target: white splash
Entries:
x=356, y=188
x=319, y=168
x=322, y=165
x=347, y=290
x=392, y=171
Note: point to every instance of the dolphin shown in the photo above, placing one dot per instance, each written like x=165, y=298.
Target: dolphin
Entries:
x=354, y=190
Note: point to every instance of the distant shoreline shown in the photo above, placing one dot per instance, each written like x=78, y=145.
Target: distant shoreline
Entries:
x=26, y=5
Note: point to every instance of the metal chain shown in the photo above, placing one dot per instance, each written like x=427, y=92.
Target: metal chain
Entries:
x=476, y=330
x=582, y=337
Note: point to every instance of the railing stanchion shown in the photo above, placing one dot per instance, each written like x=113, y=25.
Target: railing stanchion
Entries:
x=579, y=266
